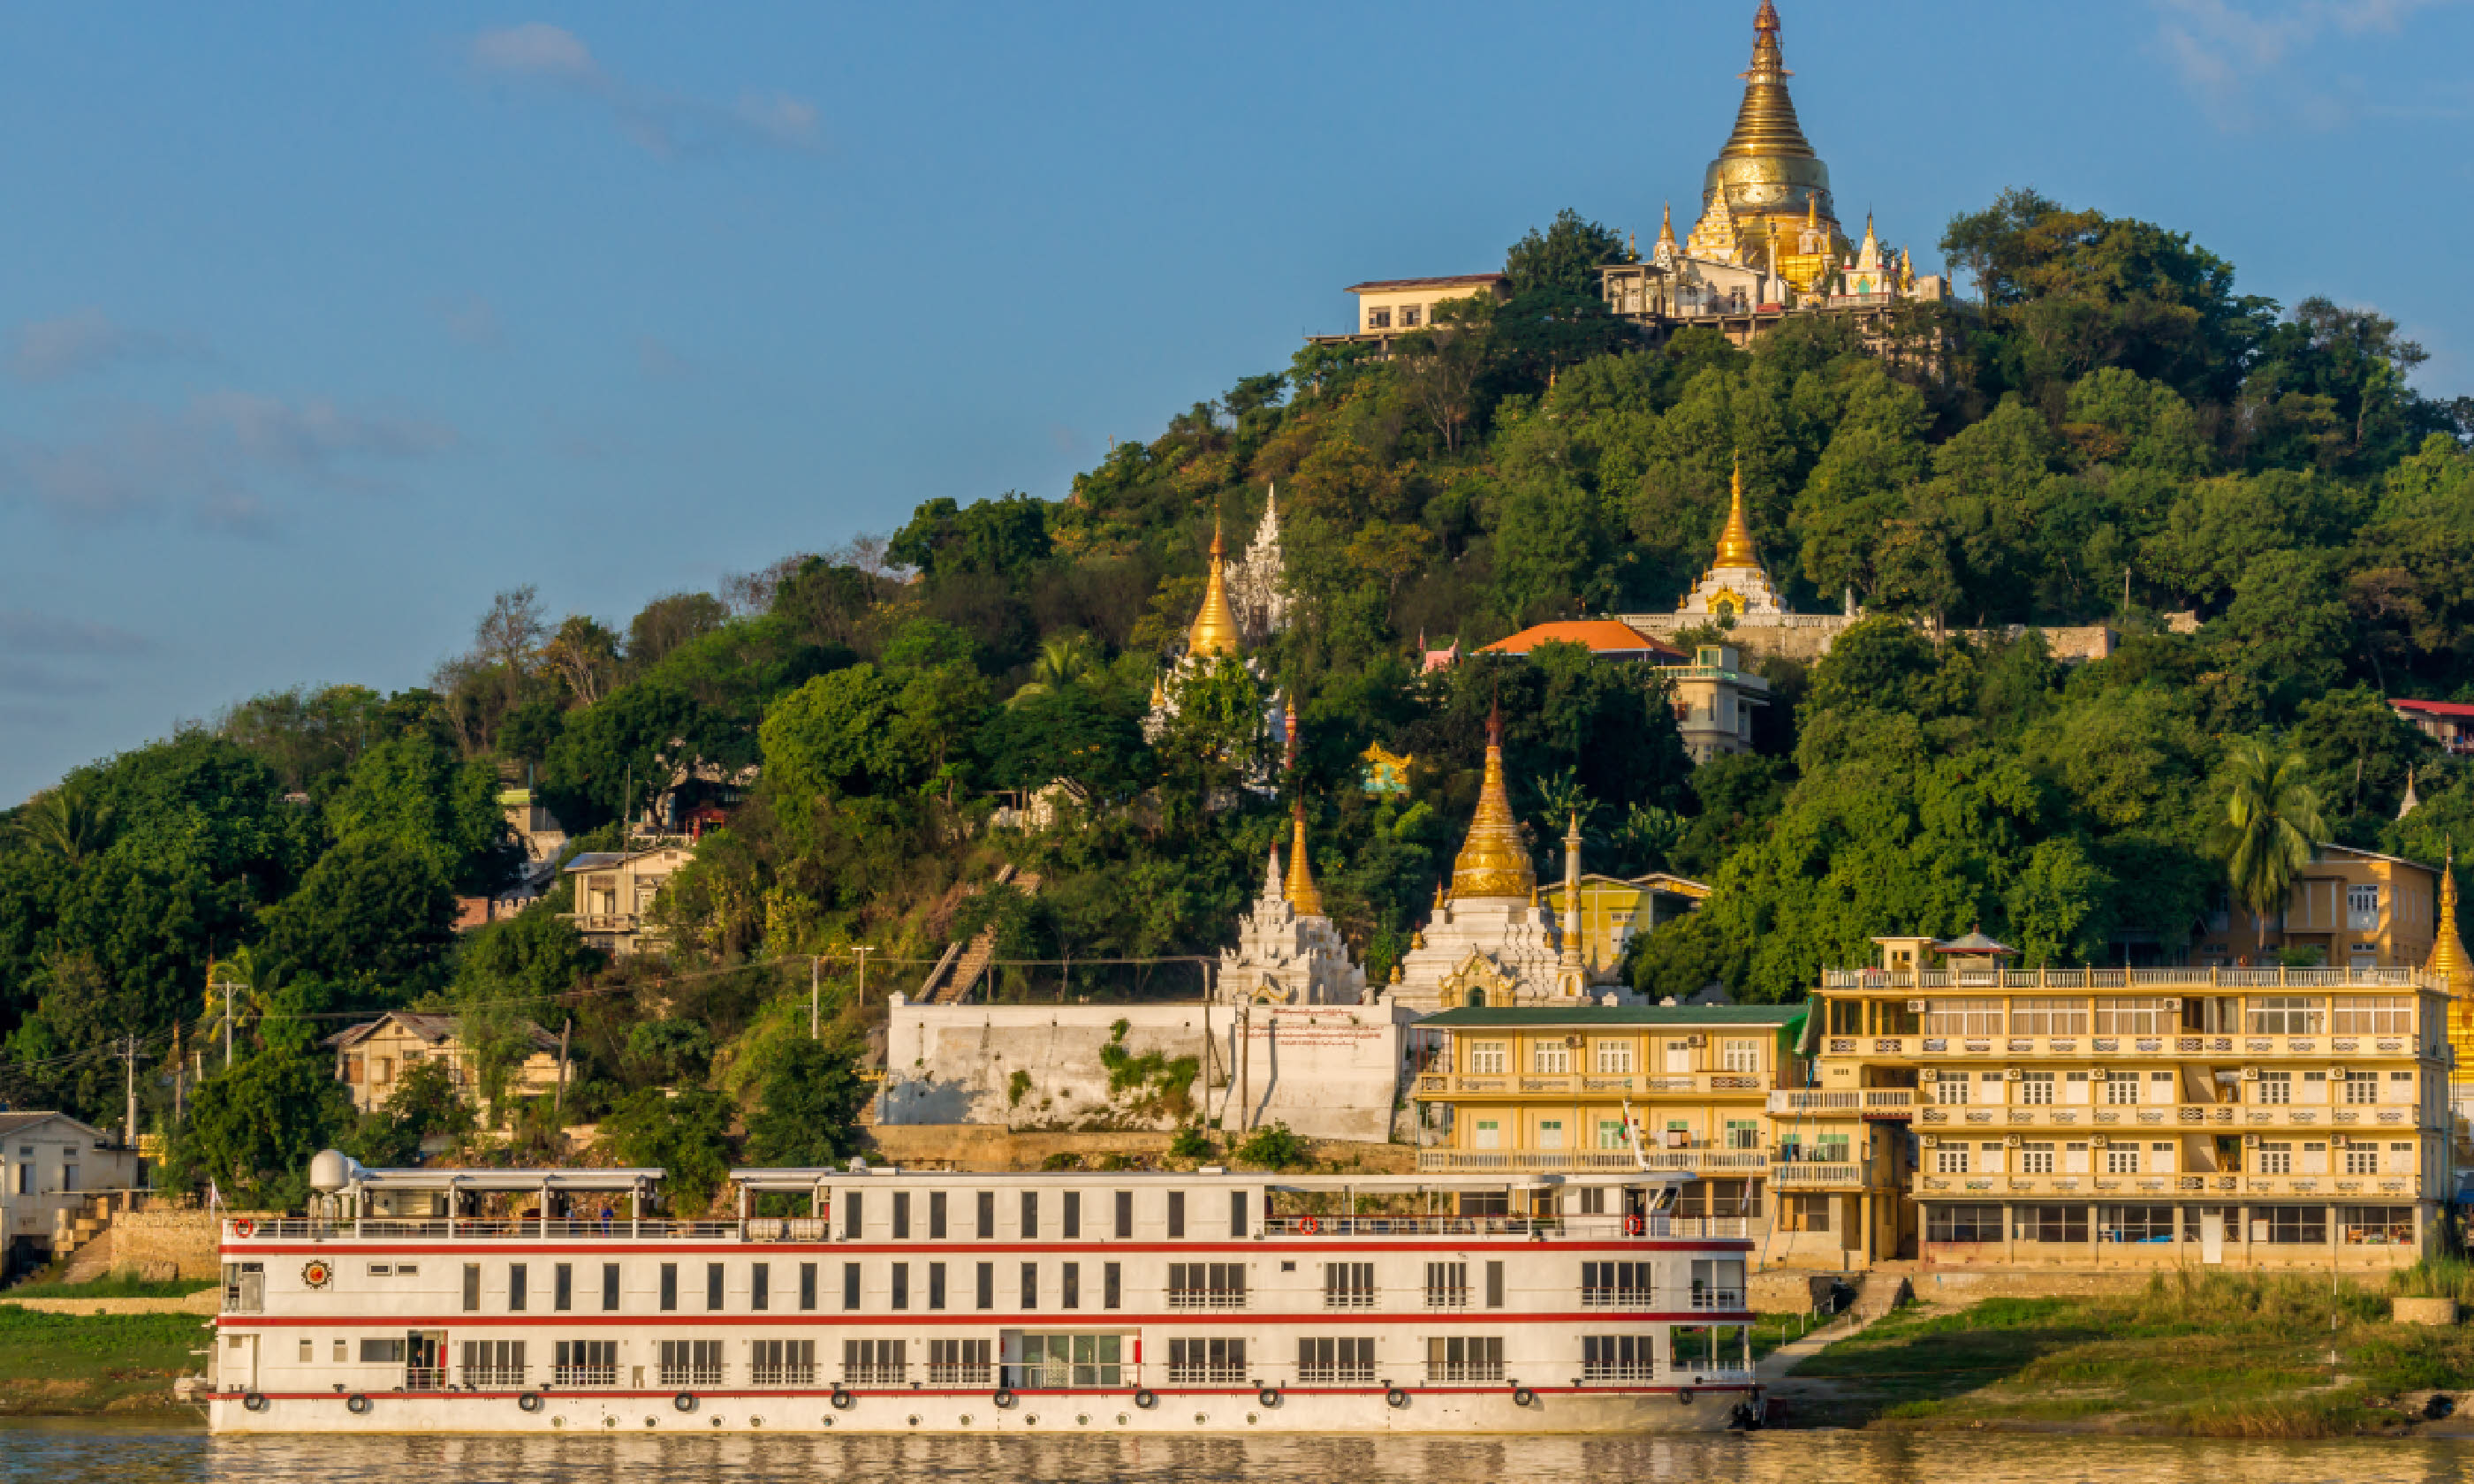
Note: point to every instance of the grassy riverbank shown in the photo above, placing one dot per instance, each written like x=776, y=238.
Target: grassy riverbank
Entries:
x=64, y=1365
x=2209, y=1356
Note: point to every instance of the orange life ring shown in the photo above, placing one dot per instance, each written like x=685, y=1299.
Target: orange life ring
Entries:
x=1634, y=1226
x=1309, y=1225
x=244, y=1226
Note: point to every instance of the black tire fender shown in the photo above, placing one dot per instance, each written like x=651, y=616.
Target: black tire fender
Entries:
x=1145, y=1397
x=1269, y=1396
x=1523, y=1396
x=253, y=1401
x=685, y=1402
x=357, y=1404
x=1683, y=1396
x=529, y=1402
x=1396, y=1399
x=1003, y=1397
x=843, y=1400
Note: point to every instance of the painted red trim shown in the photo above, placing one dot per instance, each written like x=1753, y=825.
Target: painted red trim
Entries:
x=1042, y=1319
x=825, y=1393
x=504, y=1246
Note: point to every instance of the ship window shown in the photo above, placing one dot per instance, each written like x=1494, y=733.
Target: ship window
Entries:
x=669, y=1286
x=609, y=1286
x=562, y=1288
x=1177, y=1213
x=807, y=1285
x=851, y=1215
x=987, y=1215
x=935, y=1285
x=985, y=1289
x=472, y=1287
x=382, y=1352
x=712, y=1287
x=850, y=1286
x=935, y=1215
x=759, y=1286
x=1073, y=1222
x=901, y=1214
x=517, y=1286
x=1125, y=1215
x=1464, y=1358
x=900, y=1285
x=1330, y=1360
x=1069, y=1286
x=1031, y=1216
x=1111, y=1286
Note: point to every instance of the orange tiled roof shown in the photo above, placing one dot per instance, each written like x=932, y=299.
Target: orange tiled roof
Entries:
x=1602, y=636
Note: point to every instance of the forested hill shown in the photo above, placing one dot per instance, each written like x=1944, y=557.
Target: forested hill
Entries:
x=2110, y=433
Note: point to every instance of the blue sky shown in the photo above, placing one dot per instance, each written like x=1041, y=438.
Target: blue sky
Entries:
x=319, y=323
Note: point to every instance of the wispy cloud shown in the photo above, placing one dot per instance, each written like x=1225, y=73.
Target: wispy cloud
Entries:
x=24, y=631
x=657, y=359
x=213, y=460
x=52, y=657
x=86, y=340
x=665, y=124
x=471, y=321
x=2230, y=54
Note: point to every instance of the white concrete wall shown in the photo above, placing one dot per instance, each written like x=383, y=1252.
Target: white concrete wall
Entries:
x=1326, y=1071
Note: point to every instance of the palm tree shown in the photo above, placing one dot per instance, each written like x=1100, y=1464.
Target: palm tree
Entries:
x=1063, y=658
x=66, y=822
x=2270, y=819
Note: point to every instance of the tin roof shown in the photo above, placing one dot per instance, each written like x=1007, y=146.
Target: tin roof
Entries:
x=1513, y=1016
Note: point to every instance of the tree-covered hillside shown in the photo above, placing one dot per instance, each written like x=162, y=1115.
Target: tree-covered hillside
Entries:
x=2108, y=432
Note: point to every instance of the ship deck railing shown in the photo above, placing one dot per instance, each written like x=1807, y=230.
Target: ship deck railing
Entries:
x=1037, y=1376
x=764, y=1230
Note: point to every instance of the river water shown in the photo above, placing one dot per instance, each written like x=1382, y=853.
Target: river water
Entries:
x=76, y=1454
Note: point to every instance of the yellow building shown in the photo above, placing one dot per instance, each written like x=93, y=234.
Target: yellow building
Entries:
x=372, y=1059
x=614, y=892
x=1614, y=911
x=1968, y=1114
x=2355, y=908
x=1599, y=1087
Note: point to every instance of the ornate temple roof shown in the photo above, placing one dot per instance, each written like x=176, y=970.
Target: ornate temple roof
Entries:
x=2447, y=962
x=1302, y=893
x=1735, y=541
x=1766, y=124
x=1493, y=861
x=1215, y=626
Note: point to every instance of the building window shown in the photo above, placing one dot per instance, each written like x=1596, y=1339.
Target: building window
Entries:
x=2122, y=1088
x=2122, y=1160
x=1488, y=1134
x=1950, y=1089
x=1804, y=1214
x=1551, y=1132
x=2036, y=1088
x=1378, y=319
x=1741, y=1056
x=2136, y=1224
x=1744, y=1133
x=2363, y=907
x=1611, y=1135
x=2374, y=1015
x=2287, y=1015
x=1962, y=1223
x=2276, y=1087
x=1410, y=314
x=2048, y=1018
x=2273, y=1159
x=2049, y=1223
x=2035, y=1158
x=2134, y=1017
x=2305, y=1225
x=1551, y=1059
x=1487, y=1058
x=2361, y=1087
x=1951, y=1160
x=2362, y=1161
x=1963, y=1018
x=2390, y=1226
x=1614, y=1058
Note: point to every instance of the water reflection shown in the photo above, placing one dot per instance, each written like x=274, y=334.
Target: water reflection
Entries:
x=79, y=1456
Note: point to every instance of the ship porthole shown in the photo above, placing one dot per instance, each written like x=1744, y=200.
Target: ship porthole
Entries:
x=1684, y=1397
x=914, y=1419
x=756, y=1422
x=843, y=1400
x=558, y=1422
x=967, y=1419
x=1523, y=1396
x=717, y=1422
x=609, y=1421
x=529, y=1402
x=1031, y=1420
x=685, y=1402
x=1083, y=1420
x=1146, y=1399
x=1122, y=1418
x=1252, y=1418
x=828, y=1422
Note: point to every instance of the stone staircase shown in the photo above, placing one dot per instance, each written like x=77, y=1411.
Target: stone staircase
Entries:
x=75, y=1236
x=942, y=989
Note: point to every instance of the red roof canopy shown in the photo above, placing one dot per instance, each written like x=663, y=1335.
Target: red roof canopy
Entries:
x=2433, y=707
x=1601, y=636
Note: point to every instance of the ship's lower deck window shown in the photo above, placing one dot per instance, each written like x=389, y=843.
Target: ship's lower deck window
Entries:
x=1334, y=1360
x=872, y=1363
x=1061, y=1361
x=2391, y=1226
x=1614, y=1285
x=1619, y=1357
x=2135, y=1223
x=494, y=1362
x=782, y=1363
x=691, y=1362
x=1477, y=1357
x=958, y=1362
x=1206, y=1285
x=382, y=1352
x=585, y=1363
x=1962, y=1223
x=1198, y=1361
x=2283, y=1224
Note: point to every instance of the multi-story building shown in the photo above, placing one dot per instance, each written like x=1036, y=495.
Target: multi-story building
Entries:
x=1614, y=911
x=2356, y=908
x=1671, y=1087
x=1967, y=1113
x=372, y=1059
x=614, y=892
x=1713, y=694
x=2448, y=723
x=1389, y=308
x=51, y=1167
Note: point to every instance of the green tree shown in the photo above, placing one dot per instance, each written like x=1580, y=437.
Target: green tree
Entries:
x=686, y=1133
x=2269, y=824
x=807, y=1111
x=1565, y=257
x=252, y=1130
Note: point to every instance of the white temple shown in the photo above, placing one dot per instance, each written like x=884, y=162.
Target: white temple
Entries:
x=1287, y=952
x=1257, y=582
x=1737, y=586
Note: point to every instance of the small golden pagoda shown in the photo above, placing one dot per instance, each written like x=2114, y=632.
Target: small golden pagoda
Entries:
x=1215, y=630
x=1302, y=893
x=1737, y=584
x=1494, y=862
x=2448, y=964
x=1765, y=200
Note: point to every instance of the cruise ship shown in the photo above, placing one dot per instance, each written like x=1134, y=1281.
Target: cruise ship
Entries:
x=557, y=1301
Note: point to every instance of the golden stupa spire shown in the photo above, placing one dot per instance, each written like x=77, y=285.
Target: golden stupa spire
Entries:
x=1494, y=862
x=1666, y=228
x=1766, y=123
x=1215, y=627
x=1303, y=895
x=2448, y=961
x=1735, y=541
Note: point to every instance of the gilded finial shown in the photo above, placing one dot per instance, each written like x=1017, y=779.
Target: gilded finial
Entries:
x=2447, y=962
x=1494, y=862
x=1303, y=895
x=1735, y=539
x=1396, y=970
x=1215, y=626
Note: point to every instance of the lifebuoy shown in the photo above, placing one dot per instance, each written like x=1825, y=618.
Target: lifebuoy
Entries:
x=357, y=1404
x=1309, y=1225
x=1683, y=1396
x=1145, y=1398
x=1635, y=1225
x=685, y=1402
x=1523, y=1396
x=253, y=1401
x=1396, y=1399
x=529, y=1402
x=244, y=1226
x=843, y=1400
x=1003, y=1397
x=1269, y=1396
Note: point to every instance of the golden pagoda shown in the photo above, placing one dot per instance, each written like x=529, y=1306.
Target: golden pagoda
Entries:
x=1215, y=627
x=2448, y=964
x=1494, y=862
x=1735, y=541
x=1302, y=893
x=1766, y=198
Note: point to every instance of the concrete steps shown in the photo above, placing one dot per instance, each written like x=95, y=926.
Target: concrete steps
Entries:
x=983, y=949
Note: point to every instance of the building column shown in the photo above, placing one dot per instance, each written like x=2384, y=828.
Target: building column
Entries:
x=2009, y=1235
x=2096, y=1235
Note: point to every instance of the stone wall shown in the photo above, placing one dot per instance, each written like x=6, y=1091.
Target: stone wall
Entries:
x=1326, y=1071
x=980, y=1146
x=158, y=1245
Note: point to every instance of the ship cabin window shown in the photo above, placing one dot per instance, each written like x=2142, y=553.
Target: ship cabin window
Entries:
x=712, y=1287
x=935, y=1215
x=851, y=1217
x=1112, y=1288
x=562, y=1287
x=1030, y=1285
x=517, y=1286
x=609, y=1286
x=759, y=1286
x=985, y=1293
x=900, y=1285
x=1069, y=1286
x=1072, y=1218
x=901, y=1214
x=1328, y=1360
x=987, y=1215
x=669, y=1286
x=1177, y=1213
x=1031, y=1216
x=850, y=1287
x=387, y=1351
x=1495, y=1285
x=1125, y=1215
x=1236, y=1214
x=472, y=1287
x=935, y=1285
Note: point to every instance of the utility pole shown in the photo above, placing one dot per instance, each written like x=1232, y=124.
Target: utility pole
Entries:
x=129, y=1067
x=558, y=1096
x=180, y=1075
x=863, y=950
x=815, y=971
